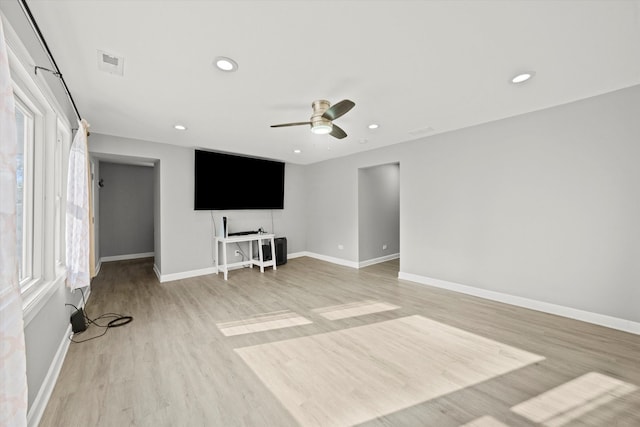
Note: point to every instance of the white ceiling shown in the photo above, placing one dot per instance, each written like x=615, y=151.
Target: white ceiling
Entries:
x=408, y=65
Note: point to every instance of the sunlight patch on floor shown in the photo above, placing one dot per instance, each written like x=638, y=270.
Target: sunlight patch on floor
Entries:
x=263, y=322
x=354, y=309
x=358, y=374
x=486, y=421
x=569, y=401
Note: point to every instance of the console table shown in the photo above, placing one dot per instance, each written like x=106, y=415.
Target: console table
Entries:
x=260, y=262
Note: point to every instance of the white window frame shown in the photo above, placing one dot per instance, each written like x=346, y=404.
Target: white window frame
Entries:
x=49, y=166
x=61, y=165
x=31, y=266
x=26, y=264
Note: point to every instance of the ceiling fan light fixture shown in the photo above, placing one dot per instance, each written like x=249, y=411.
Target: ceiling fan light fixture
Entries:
x=324, y=114
x=225, y=64
x=320, y=125
x=321, y=129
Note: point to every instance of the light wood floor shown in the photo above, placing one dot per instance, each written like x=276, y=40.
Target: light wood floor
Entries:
x=318, y=344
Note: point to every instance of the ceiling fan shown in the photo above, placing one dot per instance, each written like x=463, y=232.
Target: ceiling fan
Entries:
x=323, y=116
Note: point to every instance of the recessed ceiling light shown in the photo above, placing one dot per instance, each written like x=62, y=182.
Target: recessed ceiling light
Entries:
x=180, y=127
x=225, y=64
x=523, y=77
x=297, y=151
x=374, y=126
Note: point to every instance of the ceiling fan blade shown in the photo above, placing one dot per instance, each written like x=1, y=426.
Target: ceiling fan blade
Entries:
x=291, y=124
x=337, y=132
x=339, y=109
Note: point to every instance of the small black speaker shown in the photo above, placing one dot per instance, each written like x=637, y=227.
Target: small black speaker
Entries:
x=266, y=252
x=281, y=250
x=78, y=322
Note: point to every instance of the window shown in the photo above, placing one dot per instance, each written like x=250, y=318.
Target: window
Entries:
x=34, y=173
x=24, y=196
x=43, y=139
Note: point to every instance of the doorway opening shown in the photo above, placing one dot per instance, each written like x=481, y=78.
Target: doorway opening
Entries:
x=379, y=216
x=126, y=209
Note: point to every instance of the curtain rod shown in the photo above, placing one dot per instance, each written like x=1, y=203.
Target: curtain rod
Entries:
x=56, y=71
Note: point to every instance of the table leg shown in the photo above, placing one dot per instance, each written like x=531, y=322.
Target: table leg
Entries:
x=273, y=253
x=215, y=255
x=224, y=259
x=261, y=255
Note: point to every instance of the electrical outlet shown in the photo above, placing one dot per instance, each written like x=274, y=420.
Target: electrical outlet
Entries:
x=384, y=247
x=341, y=247
x=237, y=252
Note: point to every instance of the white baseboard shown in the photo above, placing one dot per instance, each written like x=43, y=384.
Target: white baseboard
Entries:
x=42, y=398
x=378, y=260
x=125, y=257
x=183, y=274
x=333, y=260
x=204, y=271
x=46, y=388
x=296, y=255
x=212, y=270
x=345, y=262
x=157, y=271
x=98, y=266
x=559, y=310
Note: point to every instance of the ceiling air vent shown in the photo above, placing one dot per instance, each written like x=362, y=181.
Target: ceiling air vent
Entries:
x=110, y=63
x=421, y=131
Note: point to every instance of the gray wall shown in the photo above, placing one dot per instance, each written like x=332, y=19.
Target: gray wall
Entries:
x=44, y=333
x=96, y=210
x=157, y=215
x=126, y=209
x=183, y=235
x=542, y=206
x=332, y=206
x=378, y=211
x=332, y=201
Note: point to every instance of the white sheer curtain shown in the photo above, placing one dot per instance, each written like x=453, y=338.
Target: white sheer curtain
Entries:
x=77, y=220
x=13, y=377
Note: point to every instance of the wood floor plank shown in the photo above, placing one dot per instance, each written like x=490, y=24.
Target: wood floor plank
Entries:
x=174, y=365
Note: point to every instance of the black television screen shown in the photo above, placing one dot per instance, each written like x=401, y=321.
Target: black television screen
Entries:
x=225, y=181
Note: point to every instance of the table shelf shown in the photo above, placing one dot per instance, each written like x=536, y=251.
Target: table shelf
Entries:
x=258, y=262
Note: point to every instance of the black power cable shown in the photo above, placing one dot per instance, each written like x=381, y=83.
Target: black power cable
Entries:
x=116, y=321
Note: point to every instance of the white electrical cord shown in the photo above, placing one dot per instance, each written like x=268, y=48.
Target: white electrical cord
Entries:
x=273, y=231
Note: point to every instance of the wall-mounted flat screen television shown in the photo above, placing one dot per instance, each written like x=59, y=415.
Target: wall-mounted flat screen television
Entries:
x=225, y=181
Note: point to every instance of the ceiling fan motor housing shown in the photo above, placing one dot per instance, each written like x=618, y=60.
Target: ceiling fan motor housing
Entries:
x=318, y=123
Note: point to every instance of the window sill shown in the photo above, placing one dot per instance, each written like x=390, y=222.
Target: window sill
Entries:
x=34, y=301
